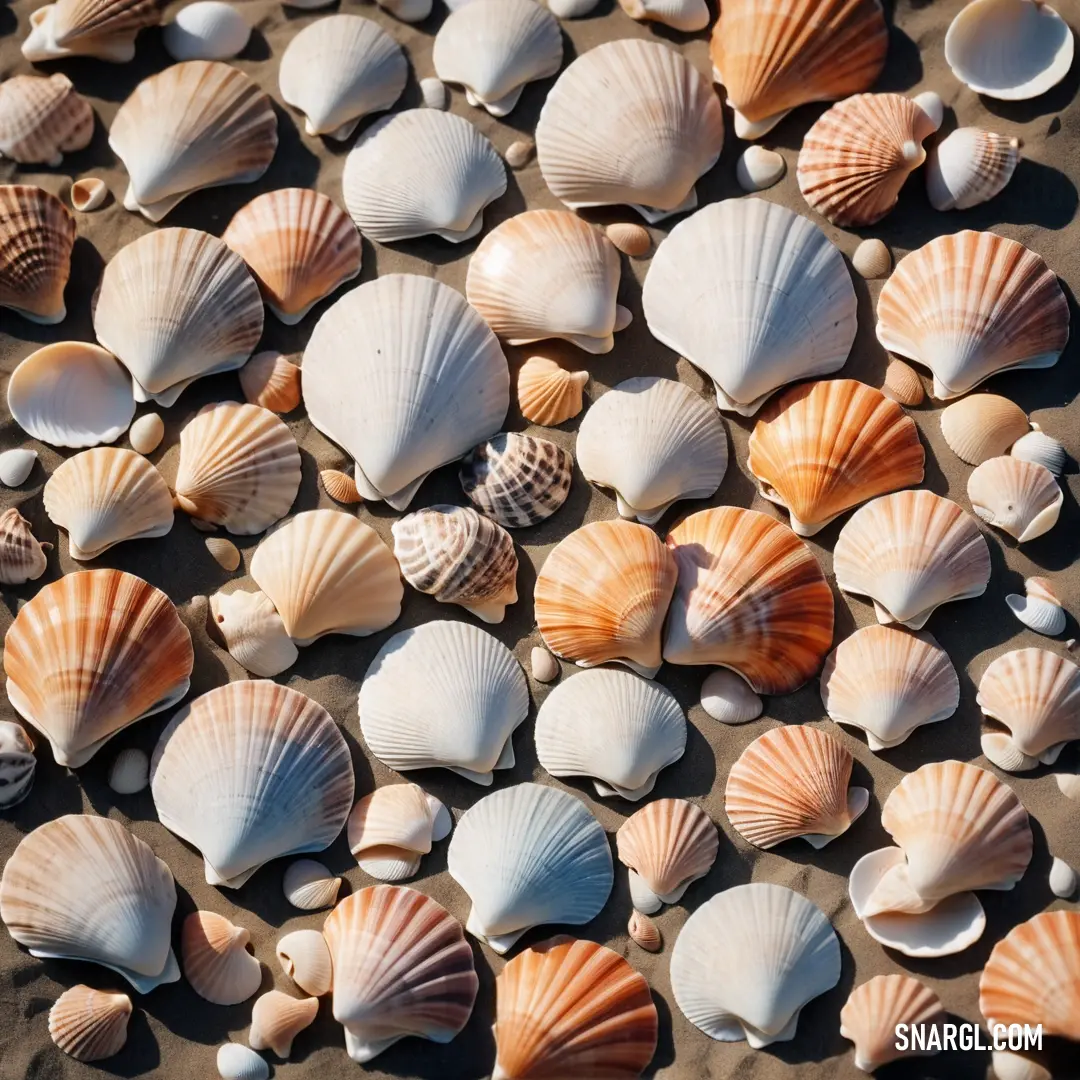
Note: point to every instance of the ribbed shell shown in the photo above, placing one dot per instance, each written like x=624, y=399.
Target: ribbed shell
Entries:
x=644, y=932
x=971, y=304
x=102, y=28
x=750, y=597
x=22, y=556
x=982, y=426
x=459, y=557
x=873, y=1010
x=91, y=654
x=602, y=595
x=821, y=448
x=308, y=885
x=572, y=1008
x=1043, y=449
x=968, y=167
x=277, y=1018
x=17, y=764
x=215, y=959
x=281, y=781
x=271, y=380
x=629, y=122
x=254, y=632
x=303, y=954
x=340, y=486
x=902, y=383
x=401, y=967
x=88, y=1024
x=1020, y=497
x=41, y=119
x=547, y=393
x=517, y=480
x=1039, y=608
x=37, y=233
x=392, y=827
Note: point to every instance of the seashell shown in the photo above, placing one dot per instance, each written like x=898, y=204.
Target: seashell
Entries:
x=517, y=480
x=434, y=94
x=856, y=157
x=520, y=152
x=89, y=1025
x=41, y=119
x=105, y=29
x=546, y=273
x=545, y=668
x=743, y=256
x=969, y=167
x=401, y=403
x=758, y=168
x=823, y=447
x=999, y=749
x=206, y=30
x=1039, y=609
x=271, y=380
x=175, y=305
x=775, y=56
x=88, y=194
x=1063, y=879
x=146, y=433
x=17, y=764
x=903, y=385
x=873, y=1012
x=933, y=105
x=421, y=171
x=300, y=247
x=282, y=782
x=1009, y=1066
x=547, y=393
x=611, y=725
x=215, y=959
x=340, y=487
x=632, y=240
x=304, y=957
x=1019, y=497
x=224, y=552
x=239, y=467
x=84, y=888
x=1011, y=50
x=493, y=48
x=572, y=1008
x=668, y=845
x=911, y=552
x=602, y=594
x=872, y=259
x=970, y=305
x=1042, y=449
x=444, y=695
x=750, y=597
x=982, y=426
x=726, y=697
x=459, y=557
x=887, y=682
x=254, y=632
x=390, y=829
x=553, y=860
x=22, y=556
x=688, y=16
x=91, y=654
x=16, y=466
x=629, y=122
x=401, y=967
x=793, y=782
x=328, y=573
x=654, y=441
x=565, y=9
x=37, y=233
x=644, y=932
x=1033, y=975
x=130, y=772
x=236, y=1062
x=749, y=959
x=276, y=1019
x=309, y=886
x=104, y=496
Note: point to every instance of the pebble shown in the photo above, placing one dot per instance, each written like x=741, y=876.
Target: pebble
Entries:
x=726, y=697
x=545, y=667
x=630, y=239
x=872, y=259
x=1063, y=880
x=16, y=466
x=225, y=552
x=519, y=153
x=434, y=93
x=759, y=168
x=146, y=433
x=130, y=772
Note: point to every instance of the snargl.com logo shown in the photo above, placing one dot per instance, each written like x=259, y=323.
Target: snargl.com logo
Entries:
x=934, y=1038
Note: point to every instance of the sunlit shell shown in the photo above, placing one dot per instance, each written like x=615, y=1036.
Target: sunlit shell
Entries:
x=37, y=233
x=644, y=932
x=968, y=167
x=237, y=1062
x=17, y=764
x=130, y=771
x=308, y=885
x=206, y=30
x=1020, y=497
x=224, y=552
x=982, y=426
x=1039, y=609
x=631, y=239
x=146, y=433
x=547, y=393
x=726, y=697
x=1043, y=449
x=88, y=194
x=88, y=1024
x=873, y=259
x=873, y=1012
x=276, y=1019
x=902, y=384
x=105, y=29
x=271, y=380
x=22, y=555
x=254, y=632
x=390, y=829
x=41, y=119
x=215, y=959
x=16, y=465
x=688, y=16
x=340, y=486
x=304, y=957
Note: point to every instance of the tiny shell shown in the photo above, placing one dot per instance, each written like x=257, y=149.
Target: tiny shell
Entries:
x=872, y=259
x=340, y=486
x=567, y=9
x=225, y=552
x=271, y=380
x=434, y=94
x=1042, y=449
x=545, y=668
x=88, y=194
x=758, y=168
x=41, y=119
x=16, y=466
x=254, y=632
x=304, y=957
x=1020, y=497
x=236, y=1062
x=146, y=433
x=1040, y=609
x=1063, y=879
x=130, y=771
x=644, y=931
x=214, y=956
x=685, y=15
x=982, y=426
x=37, y=233
x=206, y=30
x=726, y=697
x=632, y=240
x=17, y=764
x=89, y=1025
x=308, y=885
x=276, y=1019
x=903, y=385
x=22, y=557
x=969, y=167
x=547, y=393
x=390, y=829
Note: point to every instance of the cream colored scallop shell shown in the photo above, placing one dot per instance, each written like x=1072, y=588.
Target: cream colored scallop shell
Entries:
x=105, y=29
x=547, y=393
x=1020, y=497
x=214, y=956
x=968, y=167
x=393, y=827
x=873, y=1012
x=88, y=1024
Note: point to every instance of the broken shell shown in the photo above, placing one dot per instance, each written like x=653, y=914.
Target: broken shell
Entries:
x=88, y=194
x=308, y=885
x=390, y=829
x=968, y=167
x=41, y=119
x=1063, y=879
x=1040, y=609
x=644, y=931
x=1042, y=449
x=304, y=957
x=758, y=168
x=146, y=433
x=105, y=30
x=37, y=233
x=1017, y=496
x=254, y=633
x=206, y=30
x=982, y=426
x=130, y=772
x=545, y=668
x=225, y=553
x=688, y=16
x=276, y=1019
x=875, y=1011
x=632, y=240
x=726, y=697
x=22, y=557
x=89, y=1025
x=17, y=764
x=340, y=487
x=215, y=959
x=16, y=466
x=434, y=94
x=547, y=393
x=236, y=1062
x=902, y=384
x=872, y=259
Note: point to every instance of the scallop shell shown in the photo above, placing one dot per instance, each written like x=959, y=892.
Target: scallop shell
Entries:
x=130, y=772
x=421, y=171
x=726, y=697
x=105, y=29
x=667, y=845
x=547, y=393
x=547, y=274
x=282, y=783
x=528, y=855
x=340, y=487
x=631, y=239
x=688, y=16
x=611, y=725
x=775, y=55
x=1020, y=497
x=911, y=552
x=887, y=682
x=903, y=385
x=304, y=957
x=105, y=496
x=459, y=557
x=644, y=932
x=517, y=480
x=146, y=433
x=84, y=888
x=602, y=594
x=969, y=167
x=236, y=1062
x=401, y=967
x=749, y=959
x=88, y=194
x=754, y=295
x=271, y=380
x=494, y=47
x=390, y=829
x=1039, y=609
x=37, y=233
x=215, y=959
x=821, y=448
x=750, y=597
x=17, y=764
x=972, y=304
x=873, y=1012
x=175, y=305
x=206, y=30
x=654, y=441
x=399, y=402
x=88, y=1024
x=22, y=556
x=308, y=885
x=572, y=1008
x=982, y=426
x=91, y=654
x=444, y=695
x=629, y=122
x=254, y=633
x=1042, y=449
x=41, y=119
x=276, y=1019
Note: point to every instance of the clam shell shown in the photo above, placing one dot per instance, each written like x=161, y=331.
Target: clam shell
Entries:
x=16, y=466
x=1020, y=497
x=276, y=1019
x=726, y=697
x=1039, y=610
x=644, y=932
x=341, y=487
x=37, y=233
x=254, y=633
x=873, y=1011
x=689, y=16
x=146, y=433
x=547, y=393
x=17, y=764
x=22, y=556
x=206, y=30
x=390, y=829
x=1042, y=449
x=271, y=380
x=41, y=119
x=105, y=29
x=88, y=1024
x=130, y=772
x=982, y=426
x=968, y=167
x=236, y=1062
x=88, y=194
x=308, y=885
x=999, y=749
x=215, y=959
x=872, y=259
x=304, y=957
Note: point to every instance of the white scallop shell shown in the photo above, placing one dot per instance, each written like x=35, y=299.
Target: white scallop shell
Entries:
x=968, y=167
x=254, y=632
x=206, y=30
x=308, y=885
x=1042, y=449
x=17, y=764
x=1020, y=497
x=236, y=1062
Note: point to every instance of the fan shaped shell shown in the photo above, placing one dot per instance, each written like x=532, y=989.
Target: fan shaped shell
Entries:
x=37, y=233
x=215, y=959
x=308, y=885
x=547, y=393
x=390, y=829
x=1043, y=449
x=982, y=426
x=873, y=1011
x=254, y=632
x=41, y=119
x=1021, y=497
x=276, y=1020
x=88, y=1024
x=105, y=29
x=968, y=167
x=22, y=556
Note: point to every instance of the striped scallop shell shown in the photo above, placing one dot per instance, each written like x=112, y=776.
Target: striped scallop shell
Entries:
x=970, y=166
x=547, y=393
x=1020, y=497
x=303, y=954
x=17, y=764
x=88, y=1024
x=873, y=1012
x=37, y=233
x=214, y=956
x=982, y=426
x=271, y=380
x=340, y=486
x=276, y=1020
x=105, y=29
x=390, y=829
x=22, y=556
x=253, y=631
x=41, y=119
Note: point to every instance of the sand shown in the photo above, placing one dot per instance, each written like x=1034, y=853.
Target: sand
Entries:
x=174, y=1033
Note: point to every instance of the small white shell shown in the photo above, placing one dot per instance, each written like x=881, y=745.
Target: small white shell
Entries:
x=88, y=194
x=16, y=466
x=545, y=668
x=130, y=772
x=727, y=697
x=308, y=885
x=206, y=30
x=1039, y=610
x=565, y=9
x=236, y=1062
x=146, y=433
x=968, y=167
x=931, y=104
x=689, y=16
x=519, y=153
x=1063, y=879
x=758, y=168
x=304, y=957
x=434, y=94
x=1042, y=449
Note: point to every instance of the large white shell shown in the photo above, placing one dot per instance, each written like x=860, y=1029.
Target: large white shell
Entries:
x=611, y=725
x=206, y=30
x=528, y=855
x=444, y=694
x=406, y=377
x=749, y=959
x=754, y=295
